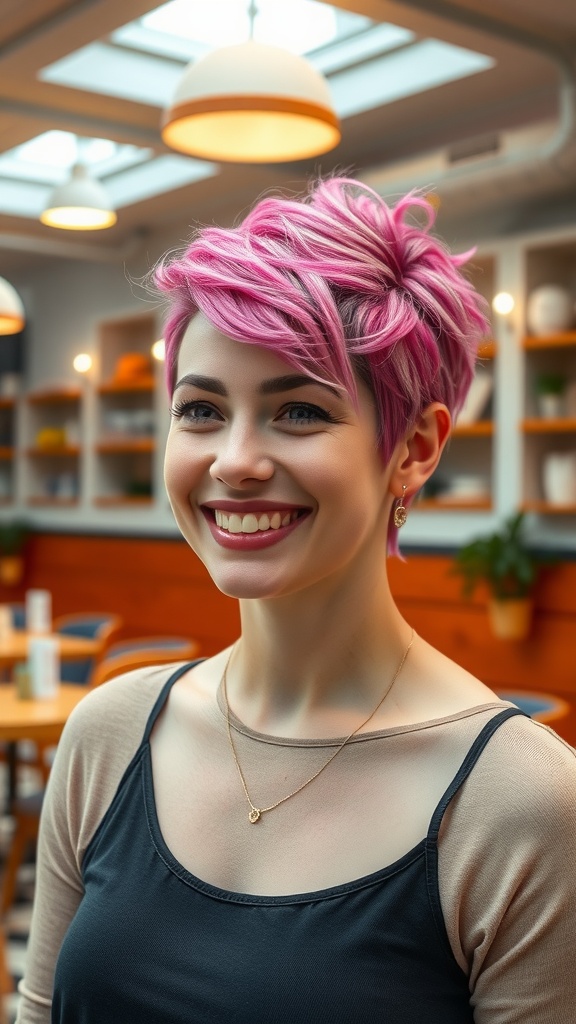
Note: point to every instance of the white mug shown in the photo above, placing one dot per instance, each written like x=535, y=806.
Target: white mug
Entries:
x=559, y=478
x=38, y=611
x=44, y=662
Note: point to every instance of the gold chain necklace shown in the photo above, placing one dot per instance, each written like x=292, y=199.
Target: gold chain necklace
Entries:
x=256, y=813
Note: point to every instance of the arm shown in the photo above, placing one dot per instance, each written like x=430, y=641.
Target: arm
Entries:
x=99, y=741
x=507, y=880
x=58, y=890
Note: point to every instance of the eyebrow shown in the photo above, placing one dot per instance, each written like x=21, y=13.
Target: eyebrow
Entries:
x=273, y=386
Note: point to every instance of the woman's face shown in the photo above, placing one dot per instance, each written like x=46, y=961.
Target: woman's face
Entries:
x=275, y=480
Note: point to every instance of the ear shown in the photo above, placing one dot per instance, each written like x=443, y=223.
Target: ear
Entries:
x=417, y=456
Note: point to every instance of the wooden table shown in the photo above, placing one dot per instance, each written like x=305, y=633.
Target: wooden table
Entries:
x=39, y=720
x=14, y=647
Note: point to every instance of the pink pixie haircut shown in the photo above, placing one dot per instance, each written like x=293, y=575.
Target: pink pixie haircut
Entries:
x=342, y=287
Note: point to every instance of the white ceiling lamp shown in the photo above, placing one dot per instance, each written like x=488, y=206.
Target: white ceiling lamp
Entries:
x=12, y=316
x=251, y=103
x=81, y=204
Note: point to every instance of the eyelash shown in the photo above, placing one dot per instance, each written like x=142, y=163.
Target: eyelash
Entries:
x=181, y=409
x=315, y=413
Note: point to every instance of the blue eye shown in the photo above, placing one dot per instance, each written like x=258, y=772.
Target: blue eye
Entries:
x=303, y=412
x=195, y=412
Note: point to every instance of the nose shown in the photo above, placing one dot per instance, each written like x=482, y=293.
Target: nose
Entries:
x=241, y=457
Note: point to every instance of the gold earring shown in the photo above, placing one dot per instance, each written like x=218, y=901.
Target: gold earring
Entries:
x=400, y=512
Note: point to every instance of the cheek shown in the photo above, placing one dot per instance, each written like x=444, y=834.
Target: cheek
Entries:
x=180, y=465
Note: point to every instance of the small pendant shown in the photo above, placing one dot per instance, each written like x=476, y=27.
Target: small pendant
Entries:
x=254, y=815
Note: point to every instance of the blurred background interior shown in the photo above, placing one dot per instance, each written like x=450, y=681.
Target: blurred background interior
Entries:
x=123, y=124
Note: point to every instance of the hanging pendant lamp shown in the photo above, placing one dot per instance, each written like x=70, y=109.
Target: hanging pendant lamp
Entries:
x=81, y=204
x=12, y=316
x=251, y=103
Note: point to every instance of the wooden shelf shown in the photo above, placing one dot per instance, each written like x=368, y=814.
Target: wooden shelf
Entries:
x=127, y=446
x=7, y=403
x=48, y=502
x=547, y=508
x=538, y=425
x=6, y=452
x=115, y=501
x=62, y=451
x=54, y=397
x=481, y=428
x=453, y=504
x=564, y=340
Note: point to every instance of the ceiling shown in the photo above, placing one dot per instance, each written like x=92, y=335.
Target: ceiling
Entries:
x=491, y=142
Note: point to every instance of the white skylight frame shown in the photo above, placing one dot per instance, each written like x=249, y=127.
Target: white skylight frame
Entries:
x=367, y=64
x=130, y=174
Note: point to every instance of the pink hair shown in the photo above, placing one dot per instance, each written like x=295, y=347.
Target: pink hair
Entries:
x=342, y=286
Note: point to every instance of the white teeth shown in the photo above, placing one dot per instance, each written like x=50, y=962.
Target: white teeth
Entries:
x=235, y=524
x=251, y=523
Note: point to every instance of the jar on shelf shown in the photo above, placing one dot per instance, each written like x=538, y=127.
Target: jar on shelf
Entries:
x=550, y=310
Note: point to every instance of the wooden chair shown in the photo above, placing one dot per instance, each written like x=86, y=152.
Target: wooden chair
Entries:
x=100, y=626
x=141, y=652
x=6, y=986
x=122, y=657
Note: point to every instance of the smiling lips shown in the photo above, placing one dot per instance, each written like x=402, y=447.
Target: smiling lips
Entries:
x=252, y=522
x=254, y=529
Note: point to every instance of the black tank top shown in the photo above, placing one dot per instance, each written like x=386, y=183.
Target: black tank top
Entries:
x=152, y=944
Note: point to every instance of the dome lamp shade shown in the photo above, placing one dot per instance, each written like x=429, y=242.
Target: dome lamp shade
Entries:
x=12, y=316
x=251, y=103
x=81, y=204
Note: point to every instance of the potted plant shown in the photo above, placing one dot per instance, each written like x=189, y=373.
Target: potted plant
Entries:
x=503, y=561
x=550, y=388
x=14, y=534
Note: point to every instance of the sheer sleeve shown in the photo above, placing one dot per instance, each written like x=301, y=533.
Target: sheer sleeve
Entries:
x=99, y=741
x=507, y=878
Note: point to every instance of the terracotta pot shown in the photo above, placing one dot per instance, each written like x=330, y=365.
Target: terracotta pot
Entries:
x=510, y=618
x=11, y=570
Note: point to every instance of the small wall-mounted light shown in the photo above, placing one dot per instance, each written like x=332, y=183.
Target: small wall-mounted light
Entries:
x=82, y=362
x=503, y=303
x=159, y=350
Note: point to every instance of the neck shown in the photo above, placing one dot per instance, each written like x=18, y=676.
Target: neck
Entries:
x=315, y=664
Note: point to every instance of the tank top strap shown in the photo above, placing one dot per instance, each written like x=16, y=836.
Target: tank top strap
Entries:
x=163, y=697
x=467, y=765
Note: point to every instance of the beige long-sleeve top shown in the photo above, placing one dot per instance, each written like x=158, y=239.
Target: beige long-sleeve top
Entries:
x=507, y=848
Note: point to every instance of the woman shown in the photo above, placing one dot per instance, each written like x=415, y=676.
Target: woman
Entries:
x=329, y=821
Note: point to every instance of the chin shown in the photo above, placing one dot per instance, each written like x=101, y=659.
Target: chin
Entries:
x=246, y=586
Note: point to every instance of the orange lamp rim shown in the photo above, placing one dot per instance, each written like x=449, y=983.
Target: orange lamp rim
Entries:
x=249, y=102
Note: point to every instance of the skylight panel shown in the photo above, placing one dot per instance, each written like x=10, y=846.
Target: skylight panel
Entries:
x=425, y=65
x=300, y=25
x=110, y=71
x=29, y=172
x=163, y=174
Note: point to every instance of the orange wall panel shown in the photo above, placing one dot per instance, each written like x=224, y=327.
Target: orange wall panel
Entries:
x=160, y=586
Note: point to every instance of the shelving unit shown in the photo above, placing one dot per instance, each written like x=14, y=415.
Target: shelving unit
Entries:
x=126, y=441
x=53, y=447
x=7, y=450
x=115, y=425
x=550, y=441
x=456, y=486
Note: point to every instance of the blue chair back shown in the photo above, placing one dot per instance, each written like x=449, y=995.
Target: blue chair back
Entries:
x=91, y=626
